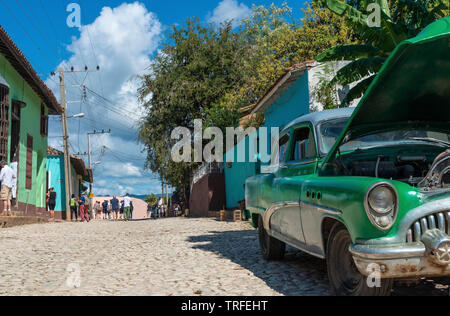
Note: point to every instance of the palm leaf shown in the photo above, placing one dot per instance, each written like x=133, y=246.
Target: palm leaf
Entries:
x=358, y=90
x=358, y=70
x=348, y=52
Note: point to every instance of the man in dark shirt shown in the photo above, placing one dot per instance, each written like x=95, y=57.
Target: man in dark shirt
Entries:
x=115, y=207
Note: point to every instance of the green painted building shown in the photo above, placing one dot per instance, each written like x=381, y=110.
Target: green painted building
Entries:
x=25, y=103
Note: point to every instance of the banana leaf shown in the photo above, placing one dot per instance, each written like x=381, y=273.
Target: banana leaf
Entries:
x=358, y=70
x=358, y=90
x=348, y=52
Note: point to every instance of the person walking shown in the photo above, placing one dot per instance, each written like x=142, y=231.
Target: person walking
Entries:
x=8, y=179
x=105, y=209
x=115, y=208
x=127, y=207
x=73, y=208
x=97, y=211
x=51, y=202
x=131, y=209
x=121, y=210
x=149, y=210
x=83, y=210
x=160, y=207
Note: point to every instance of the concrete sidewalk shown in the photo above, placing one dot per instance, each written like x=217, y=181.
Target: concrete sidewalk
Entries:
x=12, y=221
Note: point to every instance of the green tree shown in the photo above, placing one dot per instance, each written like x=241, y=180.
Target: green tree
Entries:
x=151, y=199
x=399, y=20
x=280, y=42
x=196, y=67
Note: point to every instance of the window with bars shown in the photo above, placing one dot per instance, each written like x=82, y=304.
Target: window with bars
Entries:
x=29, y=167
x=4, y=122
x=44, y=121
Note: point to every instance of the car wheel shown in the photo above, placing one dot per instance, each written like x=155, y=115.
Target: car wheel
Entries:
x=271, y=248
x=345, y=278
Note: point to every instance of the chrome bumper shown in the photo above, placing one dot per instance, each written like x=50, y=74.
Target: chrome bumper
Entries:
x=431, y=257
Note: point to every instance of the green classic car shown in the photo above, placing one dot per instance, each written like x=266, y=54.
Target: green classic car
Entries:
x=368, y=189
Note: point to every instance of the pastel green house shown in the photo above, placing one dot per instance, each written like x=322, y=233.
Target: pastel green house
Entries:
x=25, y=103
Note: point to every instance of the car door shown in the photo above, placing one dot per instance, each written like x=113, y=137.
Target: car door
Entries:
x=297, y=164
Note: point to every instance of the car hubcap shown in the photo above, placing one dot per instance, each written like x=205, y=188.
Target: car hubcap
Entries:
x=346, y=269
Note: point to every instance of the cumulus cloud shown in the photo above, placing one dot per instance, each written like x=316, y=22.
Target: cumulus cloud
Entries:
x=122, y=170
x=228, y=10
x=122, y=41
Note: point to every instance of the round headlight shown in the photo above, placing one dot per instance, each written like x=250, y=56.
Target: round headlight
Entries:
x=382, y=205
x=382, y=200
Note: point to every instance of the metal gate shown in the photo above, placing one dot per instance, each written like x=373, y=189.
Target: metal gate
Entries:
x=4, y=122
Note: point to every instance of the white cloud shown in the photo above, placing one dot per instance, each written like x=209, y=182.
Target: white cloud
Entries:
x=121, y=41
x=228, y=10
x=121, y=170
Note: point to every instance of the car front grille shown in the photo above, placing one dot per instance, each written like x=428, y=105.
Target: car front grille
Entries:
x=439, y=221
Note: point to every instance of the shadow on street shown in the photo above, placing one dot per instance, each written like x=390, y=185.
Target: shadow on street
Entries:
x=298, y=274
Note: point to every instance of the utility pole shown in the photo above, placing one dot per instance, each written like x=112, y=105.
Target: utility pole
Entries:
x=95, y=132
x=67, y=171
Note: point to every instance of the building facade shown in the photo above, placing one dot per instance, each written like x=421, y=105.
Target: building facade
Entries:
x=56, y=178
x=25, y=103
x=291, y=96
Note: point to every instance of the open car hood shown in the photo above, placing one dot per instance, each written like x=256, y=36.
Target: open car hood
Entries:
x=412, y=89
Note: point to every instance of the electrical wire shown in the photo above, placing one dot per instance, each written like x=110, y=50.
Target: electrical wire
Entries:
x=26, y=32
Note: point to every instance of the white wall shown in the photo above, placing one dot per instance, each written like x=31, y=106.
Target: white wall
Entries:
x=329, y=70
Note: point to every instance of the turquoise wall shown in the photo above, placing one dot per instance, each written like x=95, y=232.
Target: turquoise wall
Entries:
x=236, y=175
x=55, y=167
x=291, y=104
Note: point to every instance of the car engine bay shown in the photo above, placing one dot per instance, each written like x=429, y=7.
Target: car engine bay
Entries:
x=426, y=170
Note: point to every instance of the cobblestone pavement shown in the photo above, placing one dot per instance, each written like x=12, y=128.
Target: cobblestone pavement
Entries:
x=164, y=257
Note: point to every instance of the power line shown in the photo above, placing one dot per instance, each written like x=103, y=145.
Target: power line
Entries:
x=37, y=29
x=26, y=32
x=115, y=109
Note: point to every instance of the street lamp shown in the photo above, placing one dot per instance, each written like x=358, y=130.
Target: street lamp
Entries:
x=80, y=115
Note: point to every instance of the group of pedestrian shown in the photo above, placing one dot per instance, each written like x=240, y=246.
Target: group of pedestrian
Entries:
x=80, y=206
x=87, y=210
x=158, y=210
x=114, y=209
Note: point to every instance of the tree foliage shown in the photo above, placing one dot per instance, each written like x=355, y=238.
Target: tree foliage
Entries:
x=281, y=42
x=209, y=72
x=151, y=199
x=399, y=20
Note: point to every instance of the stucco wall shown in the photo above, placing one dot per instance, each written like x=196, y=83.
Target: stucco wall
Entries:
x=208, y=194
x=29, y=124
x=291, y=104
x=236, y=173
x=55, y=167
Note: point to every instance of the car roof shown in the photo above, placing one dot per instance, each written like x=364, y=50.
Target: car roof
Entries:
x=319, y=117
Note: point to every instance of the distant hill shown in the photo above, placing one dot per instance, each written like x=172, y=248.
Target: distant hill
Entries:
x=142, y=197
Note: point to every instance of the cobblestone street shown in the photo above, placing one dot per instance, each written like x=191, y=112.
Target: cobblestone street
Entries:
x=164, y=257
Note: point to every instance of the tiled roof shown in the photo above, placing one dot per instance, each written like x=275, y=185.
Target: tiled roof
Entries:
x=77, y=163
x=20, y=63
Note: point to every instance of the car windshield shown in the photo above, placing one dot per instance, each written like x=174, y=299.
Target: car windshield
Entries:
x=331, y=130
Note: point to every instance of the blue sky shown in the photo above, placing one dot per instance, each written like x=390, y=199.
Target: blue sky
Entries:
x=121, y=37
